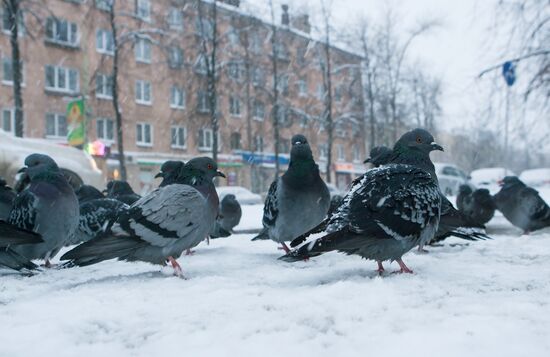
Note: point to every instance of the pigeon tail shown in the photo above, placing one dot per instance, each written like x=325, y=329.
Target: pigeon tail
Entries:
x=219, y=232
x=263, y=235
x=15, y=261
x=321, y=227
x=339, y=240
x=11, y=235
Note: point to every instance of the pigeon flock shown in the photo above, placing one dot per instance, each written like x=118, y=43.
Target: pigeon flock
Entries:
x=388, y=211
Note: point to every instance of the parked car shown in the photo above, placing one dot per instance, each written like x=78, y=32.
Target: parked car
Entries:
x=489, y=178
x=536, y=177
x=78, y=166
x=450, y=178
x=243, y=195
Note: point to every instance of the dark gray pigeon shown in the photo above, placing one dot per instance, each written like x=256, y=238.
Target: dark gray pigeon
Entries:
x=87, y=193
x=229, y=217
x=388, y=211
x=48, y=206
x=464, y=197
x=170, y=171
x=7, y=195
x=379, y=155
x=11, y=235
x=161, y=225
x=335, y=202
x=297, y=201
x=478, y=206
x=122, y=191
x=522, y=205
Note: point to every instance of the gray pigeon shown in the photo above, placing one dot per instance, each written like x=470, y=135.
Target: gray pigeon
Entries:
x=464, y=197
x=297, y=201
x=229, y=217
x=87, y=193
x=522, y=205
x=122, y=191
x=169, y=171
x=379, y=155
x=388, y=211
x=7, y=195
x=478, y=206
x=11, y=235
x=48, y=206
x=161, y=225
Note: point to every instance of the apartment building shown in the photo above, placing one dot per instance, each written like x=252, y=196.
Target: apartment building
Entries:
x=68, y=53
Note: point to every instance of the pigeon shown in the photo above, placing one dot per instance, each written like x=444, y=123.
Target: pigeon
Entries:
x=522, y=205
x=48, y=206
x=229, y=217
x=161, y=225
x=96, y=217
x=335, y=202
x=12, y=235
x=379, y=155
x=169, y=171
x=298, y=200
x=7, y=195
x=121, y=190
x=87, y=193
x=478, y=206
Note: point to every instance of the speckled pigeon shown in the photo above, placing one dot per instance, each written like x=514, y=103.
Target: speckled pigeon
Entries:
x=388, y=211
x=297, y=201
x=87, y=193
x=477, y=205
x=229, y=217
x=169, y=171
x=48, y=206
x=7, y=195
x=122, y=191
x=522, y=205
x=161, y=225
x=379, y=155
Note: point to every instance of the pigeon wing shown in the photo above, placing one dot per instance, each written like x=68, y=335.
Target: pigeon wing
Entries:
x=271, y=208
x=23, y=213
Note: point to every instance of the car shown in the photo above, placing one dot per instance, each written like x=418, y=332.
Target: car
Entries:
x=243, y=195
x=78, y=166
x=450, y=178
x=536, y=177
x=490, y=177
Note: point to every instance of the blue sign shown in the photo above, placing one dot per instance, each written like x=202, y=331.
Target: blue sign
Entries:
x=256, y=158
x=509, y=73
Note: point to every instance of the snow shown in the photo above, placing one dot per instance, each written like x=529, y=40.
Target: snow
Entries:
x=487, y=298
x=536, y=177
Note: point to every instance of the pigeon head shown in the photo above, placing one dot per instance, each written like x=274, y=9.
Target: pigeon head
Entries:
x=229, y=197
x=300, y=148
x=464, y=190
x=87, y=193
x=117, y=187
x=379, y=155
x=3, y=182
x=419, y=140
x=169, y=168
x=201, y=167
x=510, y=181
x=36, y=164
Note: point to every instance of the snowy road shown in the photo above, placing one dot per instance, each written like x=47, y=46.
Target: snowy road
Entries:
x=486, y=299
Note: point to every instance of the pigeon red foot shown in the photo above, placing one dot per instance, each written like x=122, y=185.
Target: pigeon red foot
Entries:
x=285, y=248
x=404, y=268
x=177, y=268
x=380, y=269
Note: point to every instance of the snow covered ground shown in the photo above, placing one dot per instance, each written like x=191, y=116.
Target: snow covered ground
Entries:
x=483, y=299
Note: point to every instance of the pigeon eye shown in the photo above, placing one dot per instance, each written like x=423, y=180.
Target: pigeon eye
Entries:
x=419, y=140
x=210, y=167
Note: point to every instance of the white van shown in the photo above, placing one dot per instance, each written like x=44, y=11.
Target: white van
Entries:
x=78, y=166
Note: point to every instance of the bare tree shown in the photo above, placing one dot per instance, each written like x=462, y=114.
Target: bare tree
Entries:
x=275, y=111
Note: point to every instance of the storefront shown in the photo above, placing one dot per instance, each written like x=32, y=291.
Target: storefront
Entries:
x=346, y=172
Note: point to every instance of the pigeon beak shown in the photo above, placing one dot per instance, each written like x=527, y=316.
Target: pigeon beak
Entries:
x=221, y=174
x=368, y=159
x=500, y=183
x=435, y=146
x=22, y=170
x=160, y=174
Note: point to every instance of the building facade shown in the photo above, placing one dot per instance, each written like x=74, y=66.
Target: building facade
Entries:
x=68, y=52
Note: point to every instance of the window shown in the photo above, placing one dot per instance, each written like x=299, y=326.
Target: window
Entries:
x=233, y=37
x=205, y=139
x=323, y=151
x=179, y=137
x=320, y=92
x=104, y=42
x=175, y=57
x=200, y=65
x=356, y=154
x=103, y=86
x=62, y=79
x=235, y=141
x=143, y=50
x=234, y=71
x=105, y=129
x=143, y=9
x=56, y=125
x=144, y=135
x=255, y=43
x=340, y=130
x=284, y=146
x=104, y=4
x=143, y=92
x=62, y=32
x=8, y=120
x=281, y=51
x=302, y=87
x=282, y=116
x=259, y=110
x=341, y=152
x=303, y=119
x=204, y=28
x=282, y=84
x=7, y=71
x=259, y=143
x=203, y=105
x=258, y=78
x=338, y=93
x=6, y=26
x=175, y=19
x=177, y=97
x=234, y=106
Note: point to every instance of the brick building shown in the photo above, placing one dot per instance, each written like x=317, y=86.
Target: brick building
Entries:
x=162, y=86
